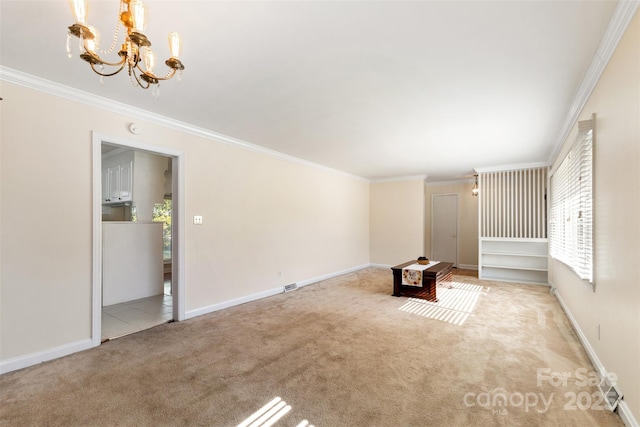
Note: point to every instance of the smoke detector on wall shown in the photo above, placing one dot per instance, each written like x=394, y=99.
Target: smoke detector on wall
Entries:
x=134, y=128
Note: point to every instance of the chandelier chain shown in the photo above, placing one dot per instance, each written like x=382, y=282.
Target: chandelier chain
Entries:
x=114, y=41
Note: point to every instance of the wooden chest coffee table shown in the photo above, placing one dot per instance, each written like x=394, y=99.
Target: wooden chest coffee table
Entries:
x=431, y=278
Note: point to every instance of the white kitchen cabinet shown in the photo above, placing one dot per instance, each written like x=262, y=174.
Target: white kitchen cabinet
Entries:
x=126, y=181
x=114, y=183
x=105, y=185
x=117, y=179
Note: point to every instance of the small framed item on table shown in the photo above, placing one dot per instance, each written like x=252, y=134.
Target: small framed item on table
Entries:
x=420, y=280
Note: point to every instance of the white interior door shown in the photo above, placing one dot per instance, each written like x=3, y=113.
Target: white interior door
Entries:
x=444, y=228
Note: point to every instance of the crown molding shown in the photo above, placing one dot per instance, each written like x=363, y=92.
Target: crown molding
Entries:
x=37, y=83
x=513, y=167
x=400, y=178
x=451, y=182
x=622, y=16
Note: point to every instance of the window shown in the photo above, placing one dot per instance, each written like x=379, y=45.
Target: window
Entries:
x=571, y=212
x=162, y=213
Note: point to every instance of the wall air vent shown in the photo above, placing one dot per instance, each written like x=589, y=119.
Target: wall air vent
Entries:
x=290, y=287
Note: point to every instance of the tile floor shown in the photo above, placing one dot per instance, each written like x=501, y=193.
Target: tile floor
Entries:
x=137, y=315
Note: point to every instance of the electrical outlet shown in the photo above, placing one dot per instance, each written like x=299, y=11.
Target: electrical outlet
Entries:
x=598, y=332
x=197, y=219
x=279, y=274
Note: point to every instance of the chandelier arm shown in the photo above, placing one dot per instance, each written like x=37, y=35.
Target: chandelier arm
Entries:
x=97, y=59
x=152, y=76
x=112, y=64
x=132, y=70
x=93, y=67
x=169, y=75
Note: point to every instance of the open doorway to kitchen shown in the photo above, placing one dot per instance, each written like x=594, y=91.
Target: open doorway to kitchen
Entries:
x=150, y=235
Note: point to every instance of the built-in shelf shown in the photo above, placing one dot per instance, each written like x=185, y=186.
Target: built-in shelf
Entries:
x=511, y=268
x=513, y=259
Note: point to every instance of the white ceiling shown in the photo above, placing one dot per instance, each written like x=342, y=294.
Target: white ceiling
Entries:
x=378, y=89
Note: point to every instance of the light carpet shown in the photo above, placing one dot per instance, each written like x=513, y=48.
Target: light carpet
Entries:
x=342, y=352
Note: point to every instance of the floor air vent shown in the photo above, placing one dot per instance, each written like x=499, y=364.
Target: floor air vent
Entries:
x=611, y=393
x=290, y=287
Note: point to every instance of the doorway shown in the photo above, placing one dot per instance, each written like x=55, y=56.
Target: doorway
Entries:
x=444, y=228
x=170, y=304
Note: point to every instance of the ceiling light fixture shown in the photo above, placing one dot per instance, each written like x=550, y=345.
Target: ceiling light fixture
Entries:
x=474, y=190
x=135, y=51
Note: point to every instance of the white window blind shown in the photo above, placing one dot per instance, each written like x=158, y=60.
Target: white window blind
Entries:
x=571, y=211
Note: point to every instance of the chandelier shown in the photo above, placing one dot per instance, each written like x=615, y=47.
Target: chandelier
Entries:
x=135, y=54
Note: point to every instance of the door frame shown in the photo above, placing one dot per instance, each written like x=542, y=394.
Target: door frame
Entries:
x=433, y=197
x=177, y=222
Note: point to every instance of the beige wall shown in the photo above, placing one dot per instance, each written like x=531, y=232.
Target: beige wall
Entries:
x=614, y=306
x=397, y=221
x=262, y=215
x=467, y=220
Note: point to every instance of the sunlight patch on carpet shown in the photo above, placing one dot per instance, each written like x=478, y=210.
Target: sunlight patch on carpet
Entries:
x=455, y=304
x=270, y=414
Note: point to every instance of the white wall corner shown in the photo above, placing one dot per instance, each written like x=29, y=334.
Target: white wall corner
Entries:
x=380, y=265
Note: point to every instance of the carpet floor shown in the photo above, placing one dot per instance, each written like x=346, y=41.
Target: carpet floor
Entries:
x=342, y=352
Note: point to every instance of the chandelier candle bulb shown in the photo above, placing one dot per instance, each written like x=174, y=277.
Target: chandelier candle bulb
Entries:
x=175, y=44
x=79, y=9
x=149, y=59
x=138, y=15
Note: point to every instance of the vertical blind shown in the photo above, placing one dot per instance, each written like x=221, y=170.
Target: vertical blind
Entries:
x=571, y=213
x=512, y=203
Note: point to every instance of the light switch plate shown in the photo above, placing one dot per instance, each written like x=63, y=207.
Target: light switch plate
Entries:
x=197, y=219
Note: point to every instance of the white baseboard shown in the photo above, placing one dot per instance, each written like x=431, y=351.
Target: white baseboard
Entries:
x=380, y=265
x=230, y=303
x=581, y=336
x=623, y=409
x=43, y=356
x=264, y=294
x=331, y=275
x=625, y=413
